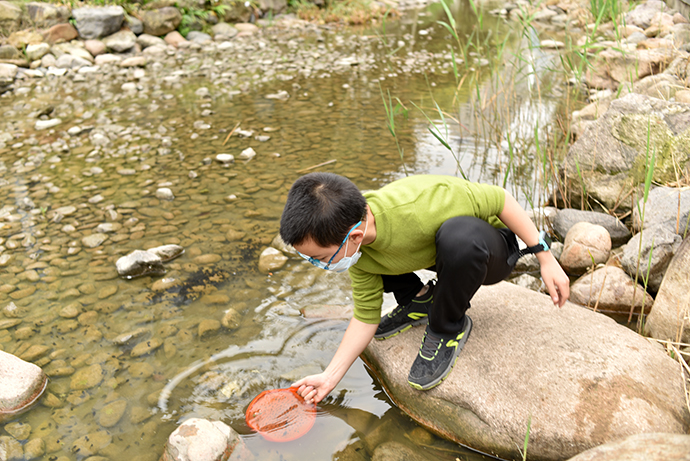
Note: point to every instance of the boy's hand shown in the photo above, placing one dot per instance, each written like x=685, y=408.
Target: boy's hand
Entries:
x=314, y=388
x=554, y=277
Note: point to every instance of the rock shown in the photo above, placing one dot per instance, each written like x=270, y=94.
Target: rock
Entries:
x=271, y=260
x=9, y=52
x=208, y=327
x=161, y=21
x=92, y=443
x=612, y=151
x=585, y=245
x=94, y=240
x=199, y=37
x=46, y=124
x=202, y=440
x=121, y=41
x=640, y=447
x=668, y=207
x=207, y=259
x=167, y=252
x=134, y=24
x=11, y=449
x=247, y=154
x=34, y=449
x=21, y=385
x=662, y=243
x=643, y=13
x=20, y=431
x=246, y=28
x=111, y=414
x=139, y=263
x=669, y=317
x=224, y=29
x=176, y=39
x=10, y=18
x=610, y=289
x=98, y=22
x=146, y=347
x=104, y=59
x=568, y=217
x=527, y=281
x=164, y=194
x=87, y=377
x=60, y=33
x=396, y=451
x=34, y=52
x=585, y=379
x=7, y=73
x=231, y=319
x=683, y=96
x=134, y=61
x=44, y=15
x=146, y=41
x=225, y=159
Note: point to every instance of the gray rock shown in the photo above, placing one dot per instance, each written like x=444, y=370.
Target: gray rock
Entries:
x=568, y=217
x=146, y=41
x=612, y=151
x=641, y=447
x=10, y=18
x=9, y=52
x=135, y=25
x=274, y=6
x=585, y=245
x=669, y=317
x=139, y=263
x=35, y=52
x=98, y=22
x=583, y=379
x=610, y=289
x=44, y=15
x=204, y=440
x=396, y=451
x=121, y=41
x=527, y=281
x=7, y=73
x=662, y=243
x=224, y=29
x=167, y=252
x=666, y=206
x=21, y=385
x=198, y=37
x=636, y=37
x=643, y=13
x=161, y=21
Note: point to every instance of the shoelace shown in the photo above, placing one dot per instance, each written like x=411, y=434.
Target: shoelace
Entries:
x=430, y=345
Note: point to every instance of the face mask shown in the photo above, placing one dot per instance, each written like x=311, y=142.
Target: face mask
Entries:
x=347, y=261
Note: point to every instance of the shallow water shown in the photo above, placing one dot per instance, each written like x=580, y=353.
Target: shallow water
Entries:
x=128, y=395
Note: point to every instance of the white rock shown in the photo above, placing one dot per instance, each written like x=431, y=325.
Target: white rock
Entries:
x=247, y=154
x=225, y=158
x=45, y=124
x=164, y=194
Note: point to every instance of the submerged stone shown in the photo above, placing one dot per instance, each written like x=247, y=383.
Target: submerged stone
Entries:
x=139, y=263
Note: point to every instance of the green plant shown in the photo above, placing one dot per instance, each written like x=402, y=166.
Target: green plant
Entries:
x=391, y=112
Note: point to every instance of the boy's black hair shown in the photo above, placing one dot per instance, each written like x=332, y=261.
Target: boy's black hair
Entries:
x=321, y=207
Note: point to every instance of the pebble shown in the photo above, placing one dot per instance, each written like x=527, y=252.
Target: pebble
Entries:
x=208, y=327
x=94, y=240
x=111, y=414
x=19, y=431
x=146, y=347
x=46, y=124
x=86, y=378
x=164, y=193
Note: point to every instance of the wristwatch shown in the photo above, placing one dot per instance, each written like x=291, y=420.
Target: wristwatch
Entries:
x=543, y=245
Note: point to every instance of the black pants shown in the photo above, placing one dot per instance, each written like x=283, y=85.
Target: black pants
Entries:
x=469, y=253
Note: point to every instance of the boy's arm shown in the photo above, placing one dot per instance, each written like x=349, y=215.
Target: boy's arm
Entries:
x=357, y=336
x=554, y=278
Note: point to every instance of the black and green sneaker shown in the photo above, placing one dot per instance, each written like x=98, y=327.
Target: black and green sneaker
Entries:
x=403, y=317
x=436, y=357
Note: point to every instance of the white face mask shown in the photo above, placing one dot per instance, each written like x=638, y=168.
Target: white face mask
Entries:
x=348, y=261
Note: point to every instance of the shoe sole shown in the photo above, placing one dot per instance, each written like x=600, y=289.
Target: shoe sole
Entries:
x=448, y=369
x=401, y=328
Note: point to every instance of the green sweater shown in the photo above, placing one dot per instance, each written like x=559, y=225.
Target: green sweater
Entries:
x=408, y=213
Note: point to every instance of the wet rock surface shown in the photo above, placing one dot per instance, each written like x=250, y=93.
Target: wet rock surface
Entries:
x=21, y=385
x=203, y=440
x=641, y=447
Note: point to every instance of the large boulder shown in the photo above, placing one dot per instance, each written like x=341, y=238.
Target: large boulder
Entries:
x=121, y=41
x=585, y=245
x=21, y=385
x=202, y=440
x=670, y=316
x=581, y=378
x=612, y=153
x=647, y=255
x=641, y=447
x=60, y=33
x=610, y=289
x=161, y=21
x=612, y=66
x=10, y=18
x=98, y=22
x=44, y=15
x=666, y=206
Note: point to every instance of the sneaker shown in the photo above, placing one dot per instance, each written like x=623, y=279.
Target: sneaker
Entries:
x=436, y=358
x=401, y=318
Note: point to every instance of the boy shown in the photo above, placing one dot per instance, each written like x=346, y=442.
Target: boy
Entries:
x=447, y=224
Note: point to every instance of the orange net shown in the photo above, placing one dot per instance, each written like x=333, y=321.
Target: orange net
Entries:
x=280, y=415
